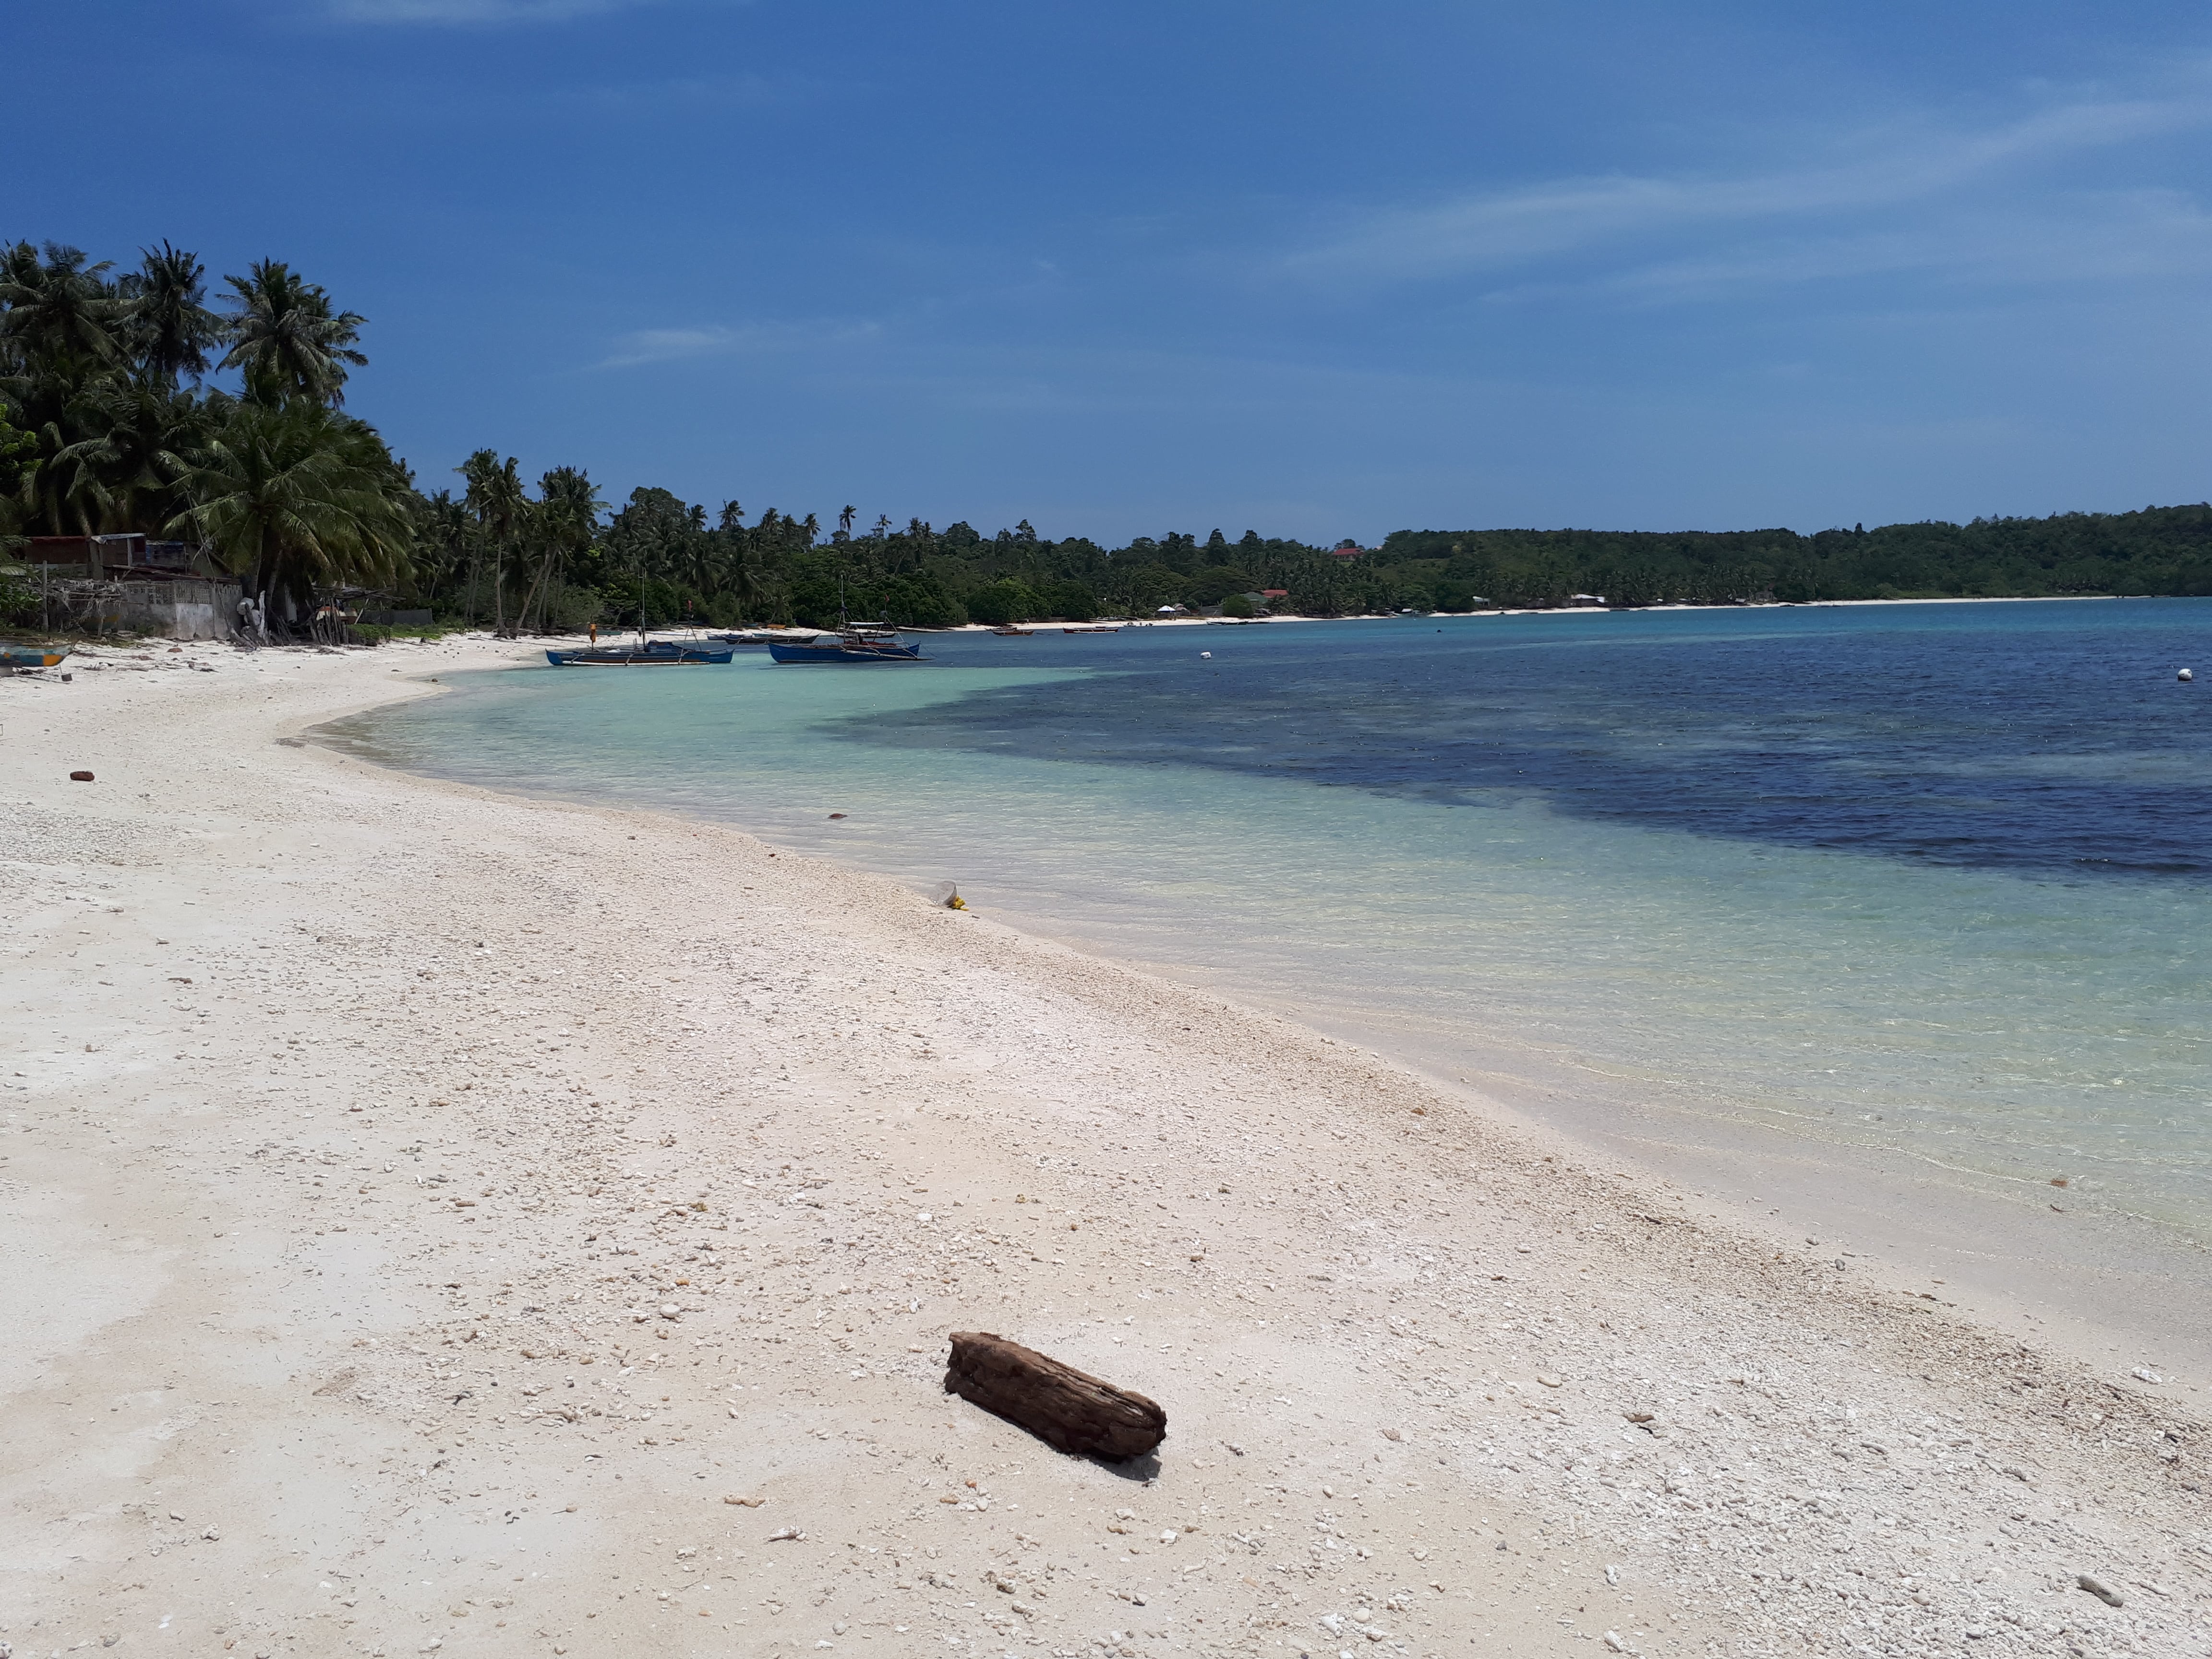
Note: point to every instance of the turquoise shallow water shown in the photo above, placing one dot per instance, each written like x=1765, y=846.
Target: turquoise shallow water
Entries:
x=1870, y=896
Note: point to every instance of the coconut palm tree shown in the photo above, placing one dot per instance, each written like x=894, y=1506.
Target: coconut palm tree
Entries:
x=572, y=506
x=297, y=500
x=494, y=494
x=121, y=472
x=285, y=339
x=497, y=499
x=51, y=500
x=565, y=518
x=56, y=313
x=699, y=553
x=165, y=322
x=19, y=457
x=444, y=544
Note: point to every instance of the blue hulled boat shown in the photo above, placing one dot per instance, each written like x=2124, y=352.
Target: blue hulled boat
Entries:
x=660, y=654
x=852, y=645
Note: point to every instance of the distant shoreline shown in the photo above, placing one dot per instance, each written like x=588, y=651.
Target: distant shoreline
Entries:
x=1104, y=623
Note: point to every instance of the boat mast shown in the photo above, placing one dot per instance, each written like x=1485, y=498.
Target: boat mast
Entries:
x=637, y=572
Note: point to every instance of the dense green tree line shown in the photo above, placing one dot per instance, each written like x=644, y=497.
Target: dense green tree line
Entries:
x=111, y=420
x=783, y=569
x=919, y=575
x=2162, y=550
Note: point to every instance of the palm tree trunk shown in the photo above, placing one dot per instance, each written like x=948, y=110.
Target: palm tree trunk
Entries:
x=537, y=594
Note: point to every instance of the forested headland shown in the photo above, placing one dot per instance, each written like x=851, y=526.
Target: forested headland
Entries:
x=133, y=399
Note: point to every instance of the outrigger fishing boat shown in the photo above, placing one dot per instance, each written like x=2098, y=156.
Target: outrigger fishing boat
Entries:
x=32, y=656
x=660, y=654
x=852, y=642
x=847, y=645
x=752, y=637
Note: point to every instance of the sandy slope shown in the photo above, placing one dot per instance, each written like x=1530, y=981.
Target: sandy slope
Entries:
x=426, y=1212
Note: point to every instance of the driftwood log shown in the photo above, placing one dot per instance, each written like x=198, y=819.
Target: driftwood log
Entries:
x=1060, y=1405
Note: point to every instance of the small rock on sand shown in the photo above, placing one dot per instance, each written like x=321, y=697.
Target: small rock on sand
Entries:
x=2098, y=1588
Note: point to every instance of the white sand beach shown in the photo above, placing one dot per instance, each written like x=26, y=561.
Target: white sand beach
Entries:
x=442, y=1222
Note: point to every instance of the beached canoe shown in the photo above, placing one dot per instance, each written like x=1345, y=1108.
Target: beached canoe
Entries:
x=32, y=656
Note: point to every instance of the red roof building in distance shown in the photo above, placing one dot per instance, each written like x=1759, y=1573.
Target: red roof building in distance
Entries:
x=1274, y=592
x=1347, y=548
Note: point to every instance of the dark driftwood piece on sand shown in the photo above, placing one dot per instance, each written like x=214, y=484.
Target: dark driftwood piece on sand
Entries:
x=1060, y=1405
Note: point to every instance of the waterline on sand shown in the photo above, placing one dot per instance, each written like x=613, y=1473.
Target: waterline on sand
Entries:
x=2000, y=1020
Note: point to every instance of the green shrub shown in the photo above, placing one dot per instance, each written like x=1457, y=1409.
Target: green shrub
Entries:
x=1004, y=601
x=1071, y=601
x=919, y=601
x=19, y=597
x=1455, y=596
x=571, y=609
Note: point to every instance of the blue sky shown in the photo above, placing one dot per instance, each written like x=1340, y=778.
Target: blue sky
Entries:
x=1317, y=270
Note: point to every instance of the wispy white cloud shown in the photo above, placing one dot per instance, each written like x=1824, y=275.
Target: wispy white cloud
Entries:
x=671, y=345
x=436, y=12
x=2088, y=237
x=1856, y=182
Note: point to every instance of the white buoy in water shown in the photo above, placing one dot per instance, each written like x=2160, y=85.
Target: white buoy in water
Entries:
x=2184, y=675
x=1208, y=655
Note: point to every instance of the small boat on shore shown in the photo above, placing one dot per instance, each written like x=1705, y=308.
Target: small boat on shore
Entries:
x=32, y=656
x=757, y=638
x=849, y=646
x=660, y=654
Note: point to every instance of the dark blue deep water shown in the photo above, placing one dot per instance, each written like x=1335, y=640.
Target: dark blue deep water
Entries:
x=2045, y=737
